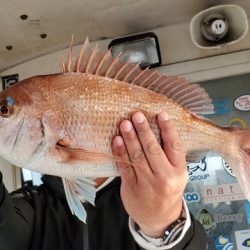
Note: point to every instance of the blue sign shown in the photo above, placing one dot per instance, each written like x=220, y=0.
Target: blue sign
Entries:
x=247, y=208
x=221, y=107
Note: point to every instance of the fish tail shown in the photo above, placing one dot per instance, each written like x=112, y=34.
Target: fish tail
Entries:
x=240, y=159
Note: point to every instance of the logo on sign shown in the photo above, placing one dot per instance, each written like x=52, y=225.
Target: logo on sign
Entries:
x=192, y=197
x=228, y=168
x=238, y=123
x=242, y=103
x=223, y=193
x=242, y=239
x=223, y=242
x=246, y=243
x=196, y=168
x=206, y=219
x=228, y=217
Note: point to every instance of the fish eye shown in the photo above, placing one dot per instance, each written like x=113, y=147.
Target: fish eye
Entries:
x=4, y=110
x=6, y=107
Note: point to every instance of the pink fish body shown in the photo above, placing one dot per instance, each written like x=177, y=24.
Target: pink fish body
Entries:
x=63, y=124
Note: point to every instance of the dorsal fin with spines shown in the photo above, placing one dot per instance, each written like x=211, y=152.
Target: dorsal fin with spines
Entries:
x=189, y=95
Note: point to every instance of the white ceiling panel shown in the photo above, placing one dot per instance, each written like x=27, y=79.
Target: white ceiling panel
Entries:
x=57, y=20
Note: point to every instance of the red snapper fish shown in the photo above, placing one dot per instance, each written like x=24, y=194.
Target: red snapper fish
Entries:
x=63, y=124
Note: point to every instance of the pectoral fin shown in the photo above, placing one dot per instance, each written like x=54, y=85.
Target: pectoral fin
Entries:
x=78, y=191
x=71, y=155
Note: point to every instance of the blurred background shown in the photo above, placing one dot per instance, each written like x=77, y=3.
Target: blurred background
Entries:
x=205, y=41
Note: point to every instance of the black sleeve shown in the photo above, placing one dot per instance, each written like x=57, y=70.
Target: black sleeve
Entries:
x=195, y=237
x=16, y=220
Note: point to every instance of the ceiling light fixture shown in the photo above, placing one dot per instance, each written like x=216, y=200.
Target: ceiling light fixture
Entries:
x=142, y=48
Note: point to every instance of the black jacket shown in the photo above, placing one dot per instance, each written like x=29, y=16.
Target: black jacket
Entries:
x=38, y=218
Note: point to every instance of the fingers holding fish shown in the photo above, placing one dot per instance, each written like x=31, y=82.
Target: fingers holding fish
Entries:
x=155, y=156
x=158, y=189
x=172, y=145
x=134, y=149
x=127, y=172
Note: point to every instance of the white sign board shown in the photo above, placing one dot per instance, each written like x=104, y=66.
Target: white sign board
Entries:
x=242, y=103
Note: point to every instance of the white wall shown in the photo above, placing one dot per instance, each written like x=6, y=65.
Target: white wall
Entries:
x=11, y=175
x=179, y=56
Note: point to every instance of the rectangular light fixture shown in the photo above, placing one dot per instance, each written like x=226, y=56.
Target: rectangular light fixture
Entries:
x=142, y=48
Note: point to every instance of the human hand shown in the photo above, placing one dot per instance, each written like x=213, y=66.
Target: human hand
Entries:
x=152, y=188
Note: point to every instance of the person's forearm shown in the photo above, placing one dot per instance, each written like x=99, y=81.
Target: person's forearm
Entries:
x=15, y=221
